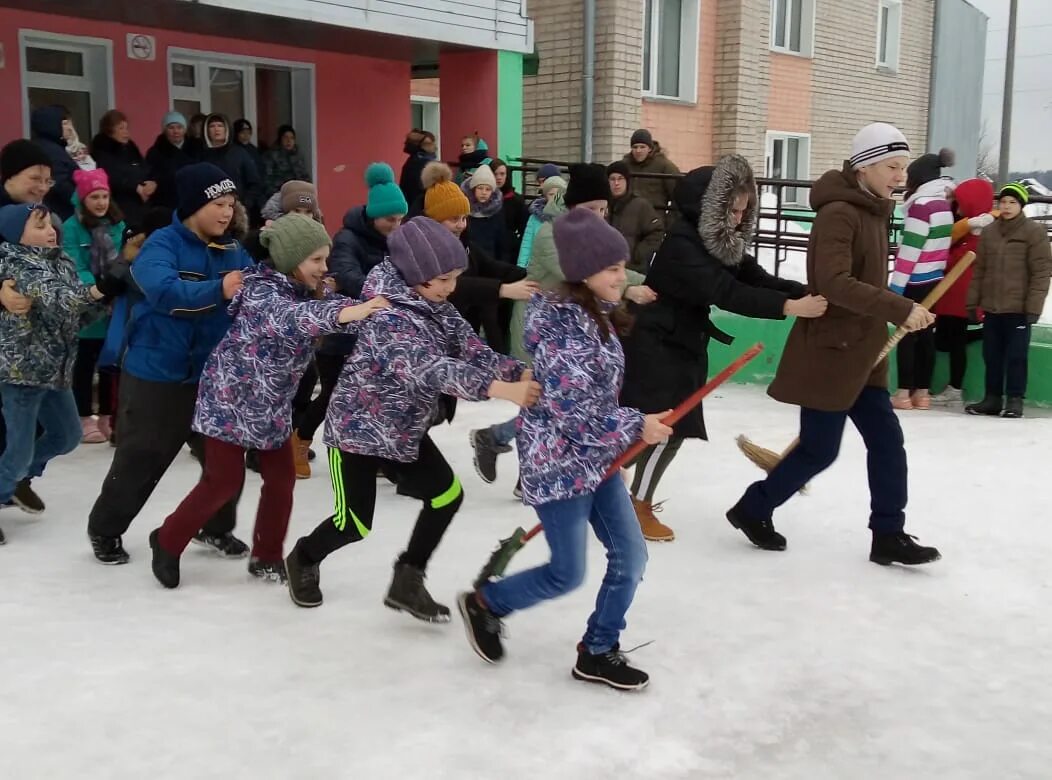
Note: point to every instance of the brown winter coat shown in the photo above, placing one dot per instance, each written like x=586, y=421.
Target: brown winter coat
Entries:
x=1012, y=267
x=637, y=221
x=827, y=361
x=657, y=192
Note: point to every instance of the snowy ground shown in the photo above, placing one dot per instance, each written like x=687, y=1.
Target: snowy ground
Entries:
x=812, y=663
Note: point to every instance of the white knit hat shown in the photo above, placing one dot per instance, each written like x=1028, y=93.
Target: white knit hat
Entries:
x=877, y=142
x=483, y=175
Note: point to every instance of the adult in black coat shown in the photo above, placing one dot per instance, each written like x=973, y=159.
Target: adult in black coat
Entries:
x=420, y=146
x=46, y=124
x=515, y=212
x=116, y=153
x=171, y=151
x=702, y=263
x=221, y=150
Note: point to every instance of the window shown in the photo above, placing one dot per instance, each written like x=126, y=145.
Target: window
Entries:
x=889, y=31
x=792, y=26
x=788, y=157
x=67, y=71
x=424, y=114
x=670, y=49
x=205, y=87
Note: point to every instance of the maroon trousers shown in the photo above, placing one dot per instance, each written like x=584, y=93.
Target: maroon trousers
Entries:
x=223, y=475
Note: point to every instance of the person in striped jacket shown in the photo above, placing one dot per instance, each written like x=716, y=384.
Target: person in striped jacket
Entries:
x=919, y=266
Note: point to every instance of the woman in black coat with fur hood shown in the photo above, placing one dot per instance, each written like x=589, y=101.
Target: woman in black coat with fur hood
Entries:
x=702, y=263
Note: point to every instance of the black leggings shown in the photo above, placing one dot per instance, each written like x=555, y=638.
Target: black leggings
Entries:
x=329, y=368
x=650, y=467
x=916, y=352
x=951, y=335
x=88, y=351
x=354, y=488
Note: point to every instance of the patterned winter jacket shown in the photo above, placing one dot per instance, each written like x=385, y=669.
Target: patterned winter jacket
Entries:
x=574, y=433
x=406, y=357
x=40, y=348
x=249, y=380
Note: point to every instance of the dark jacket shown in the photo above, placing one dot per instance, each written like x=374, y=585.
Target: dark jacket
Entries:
x=1012, y=267
x=657, y=192
x=256, y=157
x=487, y=223
x=357, y=248
x=516, y=214
x=642, y=228
x=125, y=166
x=238, y=165
x=280, y=165
x=477, y=296
x=46, y=124
x=163, y=160
x=702, y=263
x=412, y=168
x=827, y=361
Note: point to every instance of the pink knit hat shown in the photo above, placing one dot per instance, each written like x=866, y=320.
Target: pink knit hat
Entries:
x=89, y=181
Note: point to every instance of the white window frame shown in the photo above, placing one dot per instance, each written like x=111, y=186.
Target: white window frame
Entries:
x=432, y=115
x=89, y=48
x=894, y=43
x=689, y=32
x=203, y=59
x=803, y=162
x=807, y=28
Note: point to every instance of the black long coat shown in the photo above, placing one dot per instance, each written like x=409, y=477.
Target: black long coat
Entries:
x=701, y=264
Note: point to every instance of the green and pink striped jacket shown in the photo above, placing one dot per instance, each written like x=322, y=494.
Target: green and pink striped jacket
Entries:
x=925, y=245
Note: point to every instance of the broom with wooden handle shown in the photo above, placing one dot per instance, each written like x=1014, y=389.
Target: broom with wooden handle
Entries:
x=767, y=459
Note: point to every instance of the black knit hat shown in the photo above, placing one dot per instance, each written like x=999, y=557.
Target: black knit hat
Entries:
x=928, y=167
x=642, y=136
x=588, y=182
x=199, y=184
x=19, y=155
x=620, y=167
x=241, y=124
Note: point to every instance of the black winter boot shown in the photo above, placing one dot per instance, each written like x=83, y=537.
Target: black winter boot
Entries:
x=109, y=550
x=304, y=579
x=165, y=565
x=759, y=532
x=991, y=405
x=900, y=548
x=483, y=628
x=1013, y=408
x=609, y=668
x=407, y=593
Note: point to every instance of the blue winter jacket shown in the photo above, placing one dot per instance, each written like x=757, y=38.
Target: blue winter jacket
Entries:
x=182, y=315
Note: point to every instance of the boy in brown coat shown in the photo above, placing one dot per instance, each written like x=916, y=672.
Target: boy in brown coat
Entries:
x=1012, y=267
x=827, y=366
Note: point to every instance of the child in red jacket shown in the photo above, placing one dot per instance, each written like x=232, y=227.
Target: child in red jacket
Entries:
x=974, y=199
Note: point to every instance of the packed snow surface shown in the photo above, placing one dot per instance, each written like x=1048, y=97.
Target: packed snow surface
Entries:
x=812, y=663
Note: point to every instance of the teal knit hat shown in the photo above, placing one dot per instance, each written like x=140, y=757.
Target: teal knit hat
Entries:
x=385, y=198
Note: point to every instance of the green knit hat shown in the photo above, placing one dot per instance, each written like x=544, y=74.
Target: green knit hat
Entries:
x=291, y=239
x=385, y=198
x=1016, y=190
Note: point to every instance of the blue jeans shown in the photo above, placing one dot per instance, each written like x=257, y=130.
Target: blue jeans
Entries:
x=820, y=435
x=610, y=513
x=503, y=433
x=25, y=455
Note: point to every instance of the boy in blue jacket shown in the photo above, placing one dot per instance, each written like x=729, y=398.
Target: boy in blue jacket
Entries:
x=187, y=272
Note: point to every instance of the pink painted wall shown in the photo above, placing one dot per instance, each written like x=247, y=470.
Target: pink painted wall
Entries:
x=361, y=102
x=469, y=101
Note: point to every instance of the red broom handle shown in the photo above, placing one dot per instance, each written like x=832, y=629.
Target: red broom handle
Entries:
x=685, y=407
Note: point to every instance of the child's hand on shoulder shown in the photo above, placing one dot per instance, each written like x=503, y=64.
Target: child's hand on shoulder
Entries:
x=363, y=310
x=14, y=301
x=525, y=392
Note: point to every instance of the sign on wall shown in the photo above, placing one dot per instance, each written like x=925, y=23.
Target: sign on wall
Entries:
x=142, y=47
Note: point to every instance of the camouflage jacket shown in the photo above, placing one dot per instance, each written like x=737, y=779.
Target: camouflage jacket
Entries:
x=39, y=348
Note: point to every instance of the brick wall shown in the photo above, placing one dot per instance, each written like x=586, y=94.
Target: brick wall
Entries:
x=741, y=73
x=425, y=88
x=849, y=91
x=618, y=76
x=789, y=96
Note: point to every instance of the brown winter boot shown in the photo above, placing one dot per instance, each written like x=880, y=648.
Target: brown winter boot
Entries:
x=299, y=452
x=653, y=529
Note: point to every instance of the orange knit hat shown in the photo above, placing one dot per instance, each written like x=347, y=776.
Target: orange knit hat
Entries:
x=442, y=198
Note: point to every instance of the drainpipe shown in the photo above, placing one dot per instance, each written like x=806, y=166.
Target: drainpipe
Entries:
x=933, y=87
x=588, y=81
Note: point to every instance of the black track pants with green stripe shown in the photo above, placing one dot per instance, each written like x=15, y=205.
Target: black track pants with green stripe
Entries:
x=354, y=490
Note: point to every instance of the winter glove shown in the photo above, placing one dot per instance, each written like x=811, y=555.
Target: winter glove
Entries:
x=111, y=286
x=976, y=224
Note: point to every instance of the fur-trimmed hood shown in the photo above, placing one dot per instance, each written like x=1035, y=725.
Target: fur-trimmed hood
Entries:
x=703, y=197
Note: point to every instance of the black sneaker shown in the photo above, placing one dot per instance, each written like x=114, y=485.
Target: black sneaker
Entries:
x=109, y=550
x=517, y=490
x=759, y=532
x=1013, y=408
x=408, y=594
x=303, y=580
x=609, y=668
x=269, y=571
x=485, y=455
x=900, y=548
x=227, y=545
x=991, y=405
x=26, y=500
x=484, y=629
x=165, y=565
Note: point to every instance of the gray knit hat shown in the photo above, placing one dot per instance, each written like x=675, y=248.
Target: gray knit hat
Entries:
x=291, y=239
x=586, y=244
x=422, y=249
